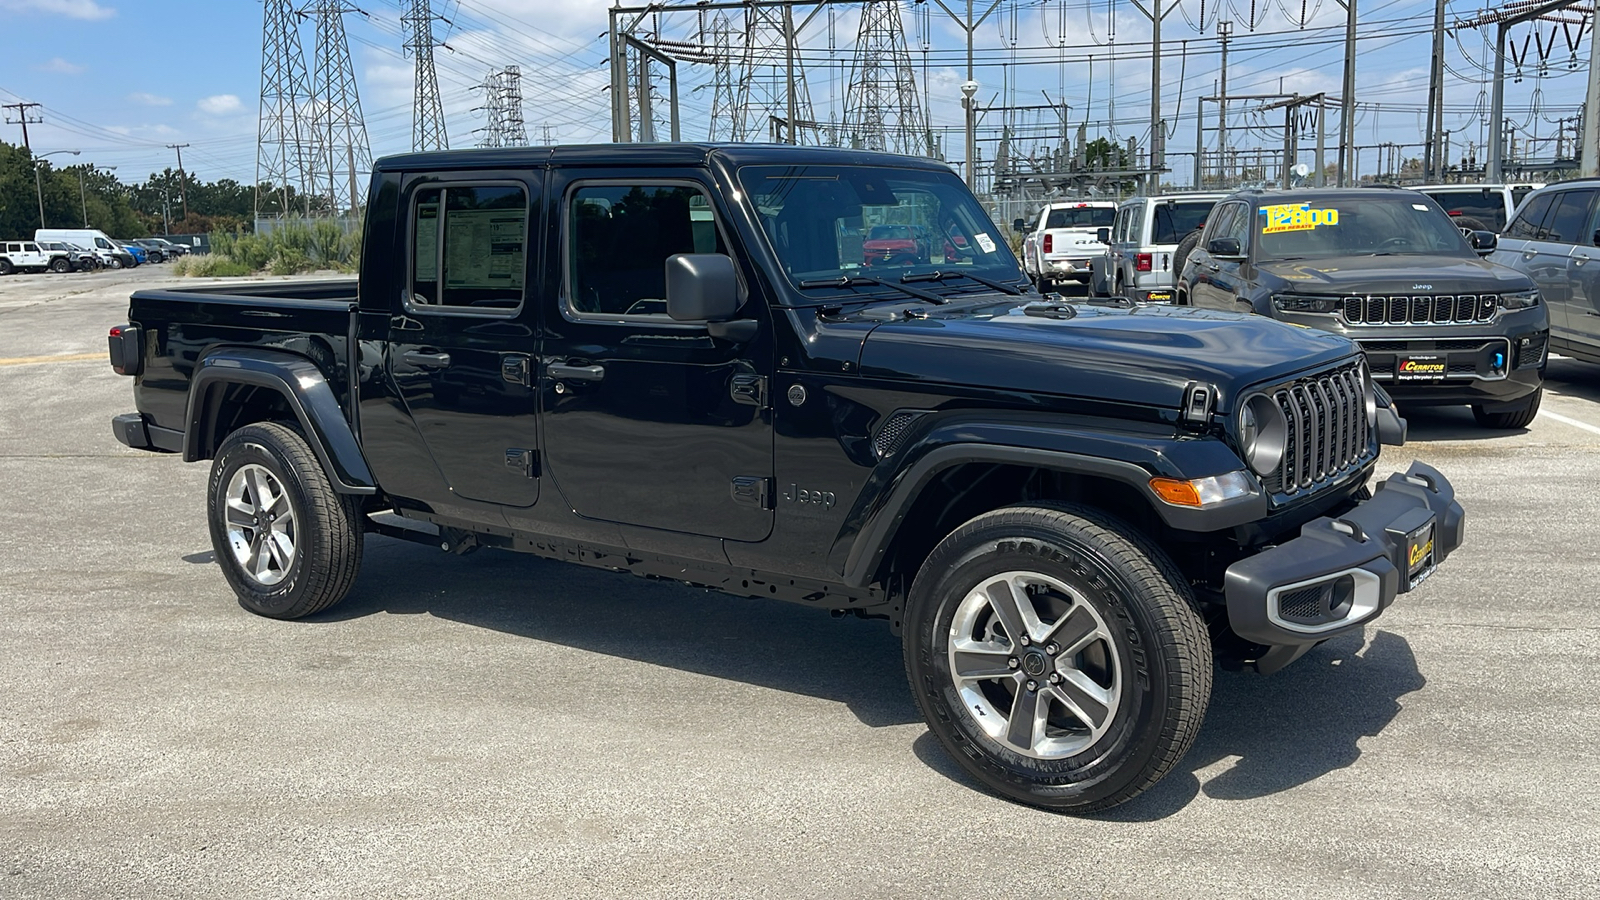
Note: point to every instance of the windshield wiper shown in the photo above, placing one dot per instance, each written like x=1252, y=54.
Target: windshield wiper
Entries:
x=853, y=280
x=937, y=275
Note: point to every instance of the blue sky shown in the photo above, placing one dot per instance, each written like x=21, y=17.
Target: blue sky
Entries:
x=119, y=79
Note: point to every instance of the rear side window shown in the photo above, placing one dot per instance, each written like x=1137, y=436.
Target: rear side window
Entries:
x=619, y=237
x=1529, y=221
x=1136, y=223
x=1569, y=217
x=469, y=247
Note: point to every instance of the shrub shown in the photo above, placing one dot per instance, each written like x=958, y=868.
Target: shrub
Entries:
x=295, y=245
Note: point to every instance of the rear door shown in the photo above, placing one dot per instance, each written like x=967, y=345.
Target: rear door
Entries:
x=649, y=421
x=1582, y=322
x=462, y=342
x=1217, y=281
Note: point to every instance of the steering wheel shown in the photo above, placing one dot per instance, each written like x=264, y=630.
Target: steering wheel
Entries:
x=1396, y=242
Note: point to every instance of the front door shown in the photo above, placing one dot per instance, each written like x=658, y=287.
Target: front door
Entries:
x=1218, y=282
x=462, y=341
x=649, y=421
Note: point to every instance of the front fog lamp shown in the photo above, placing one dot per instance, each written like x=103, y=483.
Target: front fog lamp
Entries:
x=1305, y=304
x=1202, y=492
x=1263, y=434
x=1519, y=300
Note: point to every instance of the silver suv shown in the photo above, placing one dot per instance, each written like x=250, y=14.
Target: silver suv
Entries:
x=1138, y=262
x=1555, y=239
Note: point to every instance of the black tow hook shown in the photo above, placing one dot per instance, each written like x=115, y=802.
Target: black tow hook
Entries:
x=454, y=540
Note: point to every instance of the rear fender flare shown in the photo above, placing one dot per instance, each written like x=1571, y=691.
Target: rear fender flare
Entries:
x=308, y=394
x=1126, y=457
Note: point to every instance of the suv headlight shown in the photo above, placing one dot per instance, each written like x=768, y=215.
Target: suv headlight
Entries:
x=1519, y=300
x=1303, y=303
x=1263, y=434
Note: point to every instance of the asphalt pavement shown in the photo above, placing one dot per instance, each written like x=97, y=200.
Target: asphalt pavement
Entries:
x=502, y=726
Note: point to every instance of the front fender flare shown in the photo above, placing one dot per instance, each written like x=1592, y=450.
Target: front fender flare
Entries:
x=307, y=392
x=1132, y=462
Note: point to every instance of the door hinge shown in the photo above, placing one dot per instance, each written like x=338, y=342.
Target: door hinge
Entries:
x=515, y=369
x=749, y=389
x=524, y=461
x=753, y=490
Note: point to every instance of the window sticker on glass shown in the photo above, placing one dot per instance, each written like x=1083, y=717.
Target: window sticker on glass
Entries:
x=1421, y=206
x=426, y=251
x=483, y=248
x=985, y=243
x=1295, y=217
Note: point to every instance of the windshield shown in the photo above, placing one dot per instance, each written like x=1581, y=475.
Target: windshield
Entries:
x=1081, y=217
x=1487, y=206
x=1357, y=226
x=830, y=221
x=1176, y=218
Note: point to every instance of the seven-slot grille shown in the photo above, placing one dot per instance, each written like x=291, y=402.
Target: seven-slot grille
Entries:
x=1328, y=431
x=1463, y=309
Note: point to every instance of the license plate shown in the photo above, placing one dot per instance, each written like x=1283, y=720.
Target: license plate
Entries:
x=1420, y=368
x=1160, y=296
x=1420, y=558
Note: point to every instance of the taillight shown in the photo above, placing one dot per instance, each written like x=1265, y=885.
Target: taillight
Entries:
x=1049, y=242
x=123, y=341
x=1142, y=262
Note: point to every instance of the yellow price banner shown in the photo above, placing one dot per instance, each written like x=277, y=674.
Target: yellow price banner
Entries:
x=1295, y=217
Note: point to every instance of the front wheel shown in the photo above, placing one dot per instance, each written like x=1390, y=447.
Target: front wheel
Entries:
x=288, y=544
x=1519, y=417
x=1058, y=656
x=115, y=263
x=59, y=266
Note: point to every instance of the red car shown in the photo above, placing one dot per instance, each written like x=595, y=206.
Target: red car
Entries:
x=895, y=245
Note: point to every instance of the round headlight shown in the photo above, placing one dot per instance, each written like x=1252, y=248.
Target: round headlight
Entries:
x=1263, y=434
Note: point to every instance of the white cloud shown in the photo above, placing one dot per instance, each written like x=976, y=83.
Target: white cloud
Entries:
x=59, y=66
x=72, y=9
x=145, y=99
x=220, y=104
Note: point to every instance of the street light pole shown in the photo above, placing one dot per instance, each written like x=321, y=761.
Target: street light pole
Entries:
x=82, y=198
x=38, y=186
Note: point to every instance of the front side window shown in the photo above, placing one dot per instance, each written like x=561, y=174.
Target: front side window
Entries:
x=1239, y=227
x=619, y=237
x=820, y=220
x=469, y=247
x=103, y=244
x=30, y=248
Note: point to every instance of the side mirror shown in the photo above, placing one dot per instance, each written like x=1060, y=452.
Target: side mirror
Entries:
x=1484, y=242
x=1103, y=235
x=1019, y=225
x=1225, y=248
x=704, y=287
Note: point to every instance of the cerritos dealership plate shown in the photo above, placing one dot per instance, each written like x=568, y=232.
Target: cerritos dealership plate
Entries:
x=1420, y=558
x=1420, y=368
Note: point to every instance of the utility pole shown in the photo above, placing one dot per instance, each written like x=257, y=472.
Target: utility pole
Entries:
x=183, y=188
x=23, y=120
x=969, y=88
x=1224, y=33
x=1158, y=143
x=83, y=198
x=1589, y=156
x=1347, y=112
x=1432, y=165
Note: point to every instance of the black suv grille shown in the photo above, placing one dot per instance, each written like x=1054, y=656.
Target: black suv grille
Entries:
x=1463, y=309
x=1328, y=432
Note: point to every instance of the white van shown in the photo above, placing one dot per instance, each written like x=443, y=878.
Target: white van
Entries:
x=93, y=238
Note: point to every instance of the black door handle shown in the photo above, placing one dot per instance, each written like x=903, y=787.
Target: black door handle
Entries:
x=426, y=360
x=565, y=372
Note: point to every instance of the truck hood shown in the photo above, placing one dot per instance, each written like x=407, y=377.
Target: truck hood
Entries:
x=1396, y=275
x=1146, y=355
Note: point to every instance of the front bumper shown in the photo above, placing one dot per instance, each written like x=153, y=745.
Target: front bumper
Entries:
x=1342, y=572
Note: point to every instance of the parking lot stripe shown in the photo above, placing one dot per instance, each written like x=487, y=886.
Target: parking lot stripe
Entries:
x=31, y=360
x=1547, y=414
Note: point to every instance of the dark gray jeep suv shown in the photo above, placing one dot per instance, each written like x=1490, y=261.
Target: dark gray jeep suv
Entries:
x=1387, y=268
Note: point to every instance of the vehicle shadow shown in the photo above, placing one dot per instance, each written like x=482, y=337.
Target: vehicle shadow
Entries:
x=770, y=643
x=1282, y=730
x=1571, y=378
x=1449, y=423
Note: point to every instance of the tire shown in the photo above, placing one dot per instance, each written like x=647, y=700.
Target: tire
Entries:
x=59, y=265
x=307, y=565
x=5, y=267
x=115, y=263
x=1180, y=254
x=1145, y=657
x=1516, y=418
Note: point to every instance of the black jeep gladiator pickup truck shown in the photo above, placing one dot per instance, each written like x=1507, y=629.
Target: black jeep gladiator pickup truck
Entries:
x=668, y=360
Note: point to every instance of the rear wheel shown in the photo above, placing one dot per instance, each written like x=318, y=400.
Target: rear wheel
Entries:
x=1058, y=656
x=5, y=267
x=288, y=544
x=1518, y=417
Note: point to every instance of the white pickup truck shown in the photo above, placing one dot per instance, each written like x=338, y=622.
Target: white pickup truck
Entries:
x=1064, y=239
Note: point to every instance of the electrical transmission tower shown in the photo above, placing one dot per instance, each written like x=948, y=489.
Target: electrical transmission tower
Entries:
x=283, y=160
x=427, y=118
x=502, y=104
x=343, y=154
x=773, y=102
x=882, y=109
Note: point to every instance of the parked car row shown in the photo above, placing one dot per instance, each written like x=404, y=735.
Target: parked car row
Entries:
x=82, y=250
